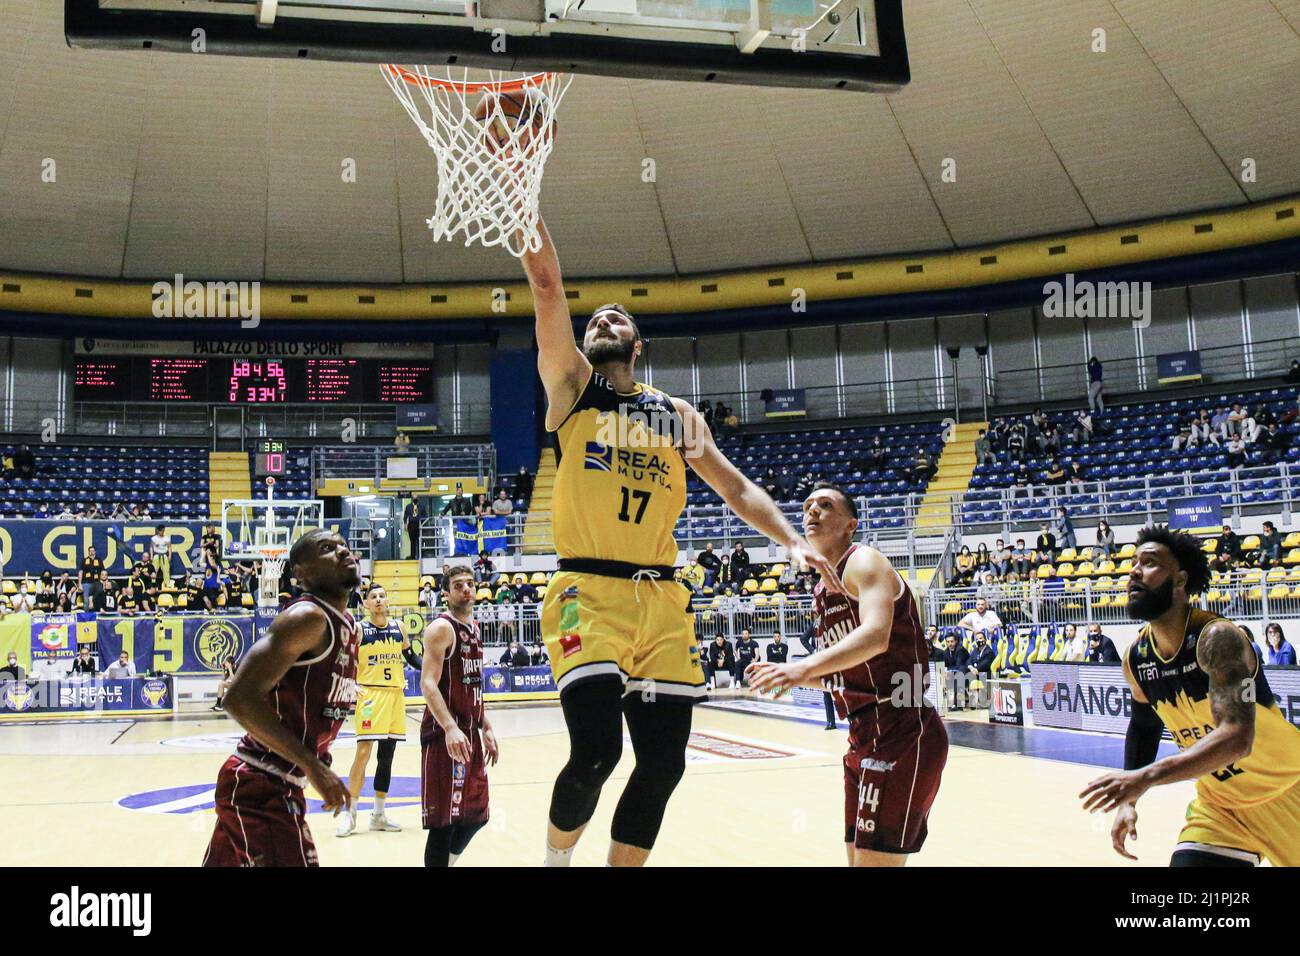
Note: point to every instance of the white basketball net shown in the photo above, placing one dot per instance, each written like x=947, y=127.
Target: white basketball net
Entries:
x=489, y=167
x=268, y=579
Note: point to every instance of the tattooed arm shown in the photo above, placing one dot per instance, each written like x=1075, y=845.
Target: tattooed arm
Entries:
x=1229, y=661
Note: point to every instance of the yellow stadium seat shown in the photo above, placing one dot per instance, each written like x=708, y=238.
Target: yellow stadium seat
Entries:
x=1085, y=554
x=1044, y=571
x=775, y=571
x=1125, y=566
x=248, y=601
x=1275, y=575
x=428, y=579
x=1102, y=601
x=1292, y=540
x=1292, y=557
x=1215, y=596
x=750, y=585
x=221, y=599
x=1250, y=542
x=541, y=593
x=1255, y=594
x=483, y=594
x=1103, y=584
x=1278, y=591
x=1252, y=576
x=1065, y=569
x=1085, y=569
x=9, y=587
x=1293, y=575
x=1068, y=554
x=768, y=586
x=952, y=607
x=1127, y=551
x=538, y=579
x=165, y=600
x=1106, y=567
x=520, y=578
x=1119, y=600
x=1208, y=545
x=1295, y=591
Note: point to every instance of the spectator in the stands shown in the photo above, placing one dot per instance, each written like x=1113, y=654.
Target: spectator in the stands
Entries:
x=983, y=560
x=1279, y=650
x=1081, y=429
x=1016, y=444
x=769, y=483
x=91, y=566
x=428, y=596
x=709, y=561
x=746, y=654
x=786, y=480
x=1076, y=644
x=983, y=449
x=1050, y=440
x=1096, y=390
x=739, y=565
x=524, y=483
x=1044, y=547
x=119, y=512
x=23, y=601
x=1101, y=649
x=484, y=570
x=963, y=570
x=46, y=598
x=103, y=598
x=982, y=618
x=12, y=670
x=1038, y=423
x=1021, y=559
x=1000, y=559
x=1270, y=546
x=1273, y=444
x=1065, y=529
x=482, y=506
x=1227, y=550
x=1023, y=483
x=1185, y=435
x=1105, y=539
x=502, y=506
x=923, y=469
x=988, y=588
x=706, y=412
x=722, y=660
x=805, y=486
x=955, y=660
x=1293, y=373
x=515, y=656
x=934, y=642
x=1236, y=456
x=120, y=668
x=1055, y=473
x=65, y=513
x=24, y=462
x=1236, y=418
x=1074, y=478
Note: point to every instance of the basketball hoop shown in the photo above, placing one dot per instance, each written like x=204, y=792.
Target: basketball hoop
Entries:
x=269, y=574
x=490, y=160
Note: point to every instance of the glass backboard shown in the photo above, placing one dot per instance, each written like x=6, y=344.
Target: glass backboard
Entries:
x=833, y=44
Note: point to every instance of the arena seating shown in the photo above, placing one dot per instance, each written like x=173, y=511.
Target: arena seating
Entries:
x=172, y=481
x=1136, y=452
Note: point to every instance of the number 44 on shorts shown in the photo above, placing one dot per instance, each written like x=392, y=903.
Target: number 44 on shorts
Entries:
x=868, y=796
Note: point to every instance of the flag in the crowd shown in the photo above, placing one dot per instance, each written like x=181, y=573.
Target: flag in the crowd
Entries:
x=494, y=533
x=465, y=532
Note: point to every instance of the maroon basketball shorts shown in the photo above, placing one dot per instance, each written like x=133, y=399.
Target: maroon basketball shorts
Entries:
x=452, y=792
x=261, y=820
x=891, y=779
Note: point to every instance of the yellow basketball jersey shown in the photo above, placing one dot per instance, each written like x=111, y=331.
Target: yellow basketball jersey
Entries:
x=621, y=480
x=1180, y=692
x=379, y=656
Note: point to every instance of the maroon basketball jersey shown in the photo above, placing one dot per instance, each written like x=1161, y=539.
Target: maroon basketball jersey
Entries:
x=461, y=684
x=312, y=699
x=873, y=681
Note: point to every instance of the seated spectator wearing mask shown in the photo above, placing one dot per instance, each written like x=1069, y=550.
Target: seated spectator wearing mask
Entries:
x=1101, y=649
x=955, y=661
x=12, y=670
x=980, y=663
x=1279, y=650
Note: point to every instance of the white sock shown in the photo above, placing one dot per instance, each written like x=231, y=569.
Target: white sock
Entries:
x=379, y=805
x=452, y=858
x=556, y=857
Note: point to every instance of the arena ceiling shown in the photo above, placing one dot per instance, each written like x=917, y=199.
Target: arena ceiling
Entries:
x=231, y=168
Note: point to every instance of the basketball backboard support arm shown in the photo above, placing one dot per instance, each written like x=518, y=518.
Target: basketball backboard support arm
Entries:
x=848, y=44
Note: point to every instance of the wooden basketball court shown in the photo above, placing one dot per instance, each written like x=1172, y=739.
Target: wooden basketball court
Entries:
x=759, y=791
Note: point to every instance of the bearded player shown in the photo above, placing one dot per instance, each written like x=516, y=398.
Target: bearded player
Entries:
x=1197, y=674
x=381, y=708
x=870, y=644
x=291, y=692
x=456, y=739
x=617, y=627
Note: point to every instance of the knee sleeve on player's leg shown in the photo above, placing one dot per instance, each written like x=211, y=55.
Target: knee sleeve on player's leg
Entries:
x=437, y=847
x=659, y=732
x=594, y=716
x=461, y=834
x=384, y=768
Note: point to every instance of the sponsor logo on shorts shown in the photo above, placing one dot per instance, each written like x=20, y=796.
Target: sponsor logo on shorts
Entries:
x=866, y=826
x=869, y=764
x=571, y=644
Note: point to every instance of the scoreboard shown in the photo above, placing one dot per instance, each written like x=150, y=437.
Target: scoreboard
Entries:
x=253, y=381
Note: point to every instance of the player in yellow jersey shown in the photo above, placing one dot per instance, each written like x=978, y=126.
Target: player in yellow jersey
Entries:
x=617, y=627
x=381, y=708
x=1197, y=674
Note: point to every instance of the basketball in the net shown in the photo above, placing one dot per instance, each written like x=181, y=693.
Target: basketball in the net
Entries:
x=502, y=114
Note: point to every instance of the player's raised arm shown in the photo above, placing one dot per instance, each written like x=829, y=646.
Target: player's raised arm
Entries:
x=299, y=631
x=750, y=503
x=1229, y=660
x=563, y=367
x=871, y=577
x=438, y=639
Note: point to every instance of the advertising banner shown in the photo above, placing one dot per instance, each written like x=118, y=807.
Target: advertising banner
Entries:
x=1200, y=511
x=125, y=696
